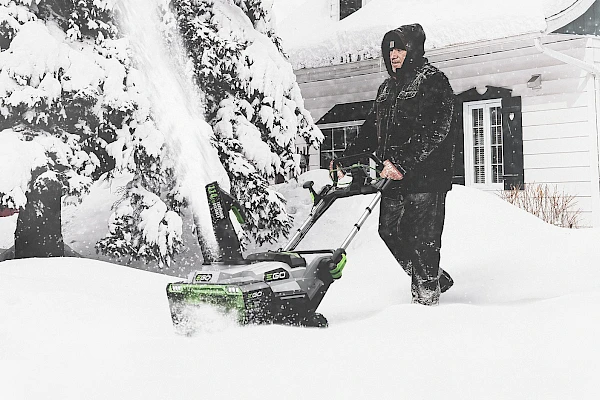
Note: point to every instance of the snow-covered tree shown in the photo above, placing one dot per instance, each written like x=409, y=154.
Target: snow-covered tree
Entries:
x=68, y=91
x=252, y=99
x=72, y=99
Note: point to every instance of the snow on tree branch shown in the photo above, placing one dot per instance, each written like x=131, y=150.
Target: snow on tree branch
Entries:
x=253, y=102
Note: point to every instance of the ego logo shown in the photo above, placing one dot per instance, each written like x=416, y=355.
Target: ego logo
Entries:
x=215, y=203
x=255, y=295
x=203, y=277
x=276, y=275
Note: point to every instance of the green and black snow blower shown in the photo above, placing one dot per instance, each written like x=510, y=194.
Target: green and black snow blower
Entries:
x=280, y=286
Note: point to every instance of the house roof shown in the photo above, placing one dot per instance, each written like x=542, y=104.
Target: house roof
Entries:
x=347, y=112
x=311, y=38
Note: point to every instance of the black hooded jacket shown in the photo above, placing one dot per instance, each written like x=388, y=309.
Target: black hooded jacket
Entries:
x=409, y=123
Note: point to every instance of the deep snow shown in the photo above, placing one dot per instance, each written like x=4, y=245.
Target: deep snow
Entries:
x=520, y=323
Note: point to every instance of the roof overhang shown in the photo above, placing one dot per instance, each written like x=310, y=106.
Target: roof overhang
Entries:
x=453, y=26
x=566, y=13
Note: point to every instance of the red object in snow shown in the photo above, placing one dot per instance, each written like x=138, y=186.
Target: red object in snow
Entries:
x=7, y=212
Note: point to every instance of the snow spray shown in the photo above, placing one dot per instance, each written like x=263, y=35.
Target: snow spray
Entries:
x=176, y=106
x=203, y=319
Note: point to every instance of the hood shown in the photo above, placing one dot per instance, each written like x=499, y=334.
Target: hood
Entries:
x=412, y=38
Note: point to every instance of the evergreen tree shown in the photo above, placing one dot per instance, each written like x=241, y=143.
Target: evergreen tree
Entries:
x=72, y=101
x=253, y=102
x=68, y=91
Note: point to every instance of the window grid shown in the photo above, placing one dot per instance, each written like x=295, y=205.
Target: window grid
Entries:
x=485, y=163
x=478, y=146
x=496, y=144
x=335, y=142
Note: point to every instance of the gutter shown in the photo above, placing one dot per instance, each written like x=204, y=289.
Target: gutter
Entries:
x=590, y=68
x=594, y=70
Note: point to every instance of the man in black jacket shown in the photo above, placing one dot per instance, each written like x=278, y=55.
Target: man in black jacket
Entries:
x=409, y=128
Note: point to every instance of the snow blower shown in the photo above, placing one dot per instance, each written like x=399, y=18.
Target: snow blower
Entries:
x=280, y=286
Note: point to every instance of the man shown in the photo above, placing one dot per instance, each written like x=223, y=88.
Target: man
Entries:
x=409, y=128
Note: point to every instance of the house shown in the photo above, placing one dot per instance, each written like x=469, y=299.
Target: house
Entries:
x=526, y=76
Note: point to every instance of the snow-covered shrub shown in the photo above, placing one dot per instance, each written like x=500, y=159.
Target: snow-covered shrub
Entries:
x=142, y=223
x=545, y=202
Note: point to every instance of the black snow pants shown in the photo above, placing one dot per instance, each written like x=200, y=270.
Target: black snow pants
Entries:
x=411, y=226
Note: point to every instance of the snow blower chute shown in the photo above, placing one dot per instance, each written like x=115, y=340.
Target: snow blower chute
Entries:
x=274, y=286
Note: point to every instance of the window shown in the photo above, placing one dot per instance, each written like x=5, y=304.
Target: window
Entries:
x=484, y=158
x=489, y=127
x=347, y=7
x=335, y=142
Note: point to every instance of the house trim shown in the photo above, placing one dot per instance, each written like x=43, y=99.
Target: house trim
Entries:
x=468, y=144
x=341, y=124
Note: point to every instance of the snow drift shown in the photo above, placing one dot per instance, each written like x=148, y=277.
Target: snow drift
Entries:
x=517, y=324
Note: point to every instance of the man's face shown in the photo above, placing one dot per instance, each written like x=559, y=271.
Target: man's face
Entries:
x=397, y=58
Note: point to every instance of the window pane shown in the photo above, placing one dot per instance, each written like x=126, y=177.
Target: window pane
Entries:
x=478, y=117
x=335, y=142
x=326, y=145
x=326, y=148
x=478, y=146
x=497, y=172
x=496, y=144
x=338, y=139
x=495, y=116
x=326, y=157
x=479, y=165
x=351, y=132
x=496, y=155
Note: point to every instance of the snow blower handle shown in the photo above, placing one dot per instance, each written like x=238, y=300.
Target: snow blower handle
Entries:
x=383, y=184
x=310, y=186
x=359, y=179
x=338, y=262
x=361, y=185
x=349, y=160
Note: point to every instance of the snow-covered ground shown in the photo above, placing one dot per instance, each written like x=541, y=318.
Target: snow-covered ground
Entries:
x=521, y=321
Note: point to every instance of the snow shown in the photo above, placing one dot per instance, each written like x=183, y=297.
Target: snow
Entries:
x=17, y=160
x=39, y=54
x=175, y=104
x=269, y=73
x=37, y=51
x=312, y=39
x=519, y=322
x=553, y=7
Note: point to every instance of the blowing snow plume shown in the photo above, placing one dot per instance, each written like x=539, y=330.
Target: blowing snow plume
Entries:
x=176, y=107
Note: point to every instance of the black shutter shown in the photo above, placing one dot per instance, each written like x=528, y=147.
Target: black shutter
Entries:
x=512, y=137
x=458, y=133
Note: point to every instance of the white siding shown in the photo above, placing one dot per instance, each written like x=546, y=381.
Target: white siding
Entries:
x=557, y=119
